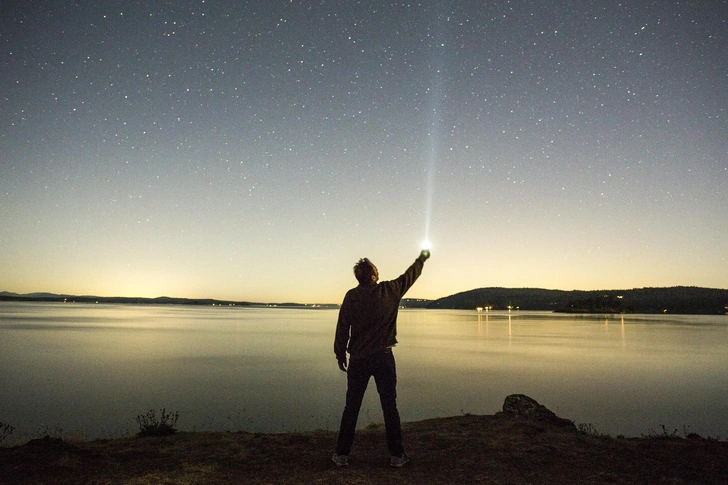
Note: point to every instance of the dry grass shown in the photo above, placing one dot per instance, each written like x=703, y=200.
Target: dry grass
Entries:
x=459, y=450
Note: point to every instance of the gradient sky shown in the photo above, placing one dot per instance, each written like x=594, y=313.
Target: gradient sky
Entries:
x=255, y=150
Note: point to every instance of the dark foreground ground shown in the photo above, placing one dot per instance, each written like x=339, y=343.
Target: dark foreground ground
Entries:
x=494, y=449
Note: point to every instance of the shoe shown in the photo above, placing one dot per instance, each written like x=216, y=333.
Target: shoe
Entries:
x=399, y=461
x=340, y=460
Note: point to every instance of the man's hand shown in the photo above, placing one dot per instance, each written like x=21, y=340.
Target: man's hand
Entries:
x=425, y=254
x=342, y=365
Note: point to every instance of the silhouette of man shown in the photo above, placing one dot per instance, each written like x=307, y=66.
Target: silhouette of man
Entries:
x=367, y=329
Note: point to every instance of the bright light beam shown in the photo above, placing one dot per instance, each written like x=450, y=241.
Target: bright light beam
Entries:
x=436, y=92
x=430, y=181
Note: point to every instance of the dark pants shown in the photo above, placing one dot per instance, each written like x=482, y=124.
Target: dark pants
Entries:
x=382, y=367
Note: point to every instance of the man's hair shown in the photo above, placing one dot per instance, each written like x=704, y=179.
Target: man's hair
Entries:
x=363, y=270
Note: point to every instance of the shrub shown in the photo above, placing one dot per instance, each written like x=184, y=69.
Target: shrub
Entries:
x=663, y=434
x=5, y=431
x=150, y=425
x=373, y=425
x=589, y=429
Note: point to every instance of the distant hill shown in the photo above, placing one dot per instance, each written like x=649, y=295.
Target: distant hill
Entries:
x=162, y=300
x=677, y=299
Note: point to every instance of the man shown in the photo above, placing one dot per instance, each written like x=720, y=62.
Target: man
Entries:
x=367, y=329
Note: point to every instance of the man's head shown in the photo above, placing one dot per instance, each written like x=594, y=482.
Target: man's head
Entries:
x=365, y=271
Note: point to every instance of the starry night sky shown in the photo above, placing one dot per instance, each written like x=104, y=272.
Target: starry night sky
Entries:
x=256, y=150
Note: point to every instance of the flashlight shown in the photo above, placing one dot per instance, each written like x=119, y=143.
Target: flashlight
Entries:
x=426, y=248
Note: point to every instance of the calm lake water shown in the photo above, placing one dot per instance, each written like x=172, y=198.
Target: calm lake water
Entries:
x=89, y=370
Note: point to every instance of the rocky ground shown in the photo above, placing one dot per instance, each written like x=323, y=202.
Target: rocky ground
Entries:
x=505, y=448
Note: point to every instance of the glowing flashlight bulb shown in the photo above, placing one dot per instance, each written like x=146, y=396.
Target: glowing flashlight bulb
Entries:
x=425, y=244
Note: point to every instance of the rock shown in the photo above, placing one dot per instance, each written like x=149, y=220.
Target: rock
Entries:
x=522, y=406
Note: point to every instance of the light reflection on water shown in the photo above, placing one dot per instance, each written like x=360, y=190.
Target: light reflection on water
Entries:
x=93, y=368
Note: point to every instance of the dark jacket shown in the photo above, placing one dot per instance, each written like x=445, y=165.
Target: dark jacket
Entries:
x=368, y=315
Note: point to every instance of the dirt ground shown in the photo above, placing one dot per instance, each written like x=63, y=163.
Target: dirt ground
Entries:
x=493, y=449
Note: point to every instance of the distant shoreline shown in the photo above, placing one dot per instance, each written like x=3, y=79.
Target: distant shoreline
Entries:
x=162, y=300
x=676, y=300
x=680, y=300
